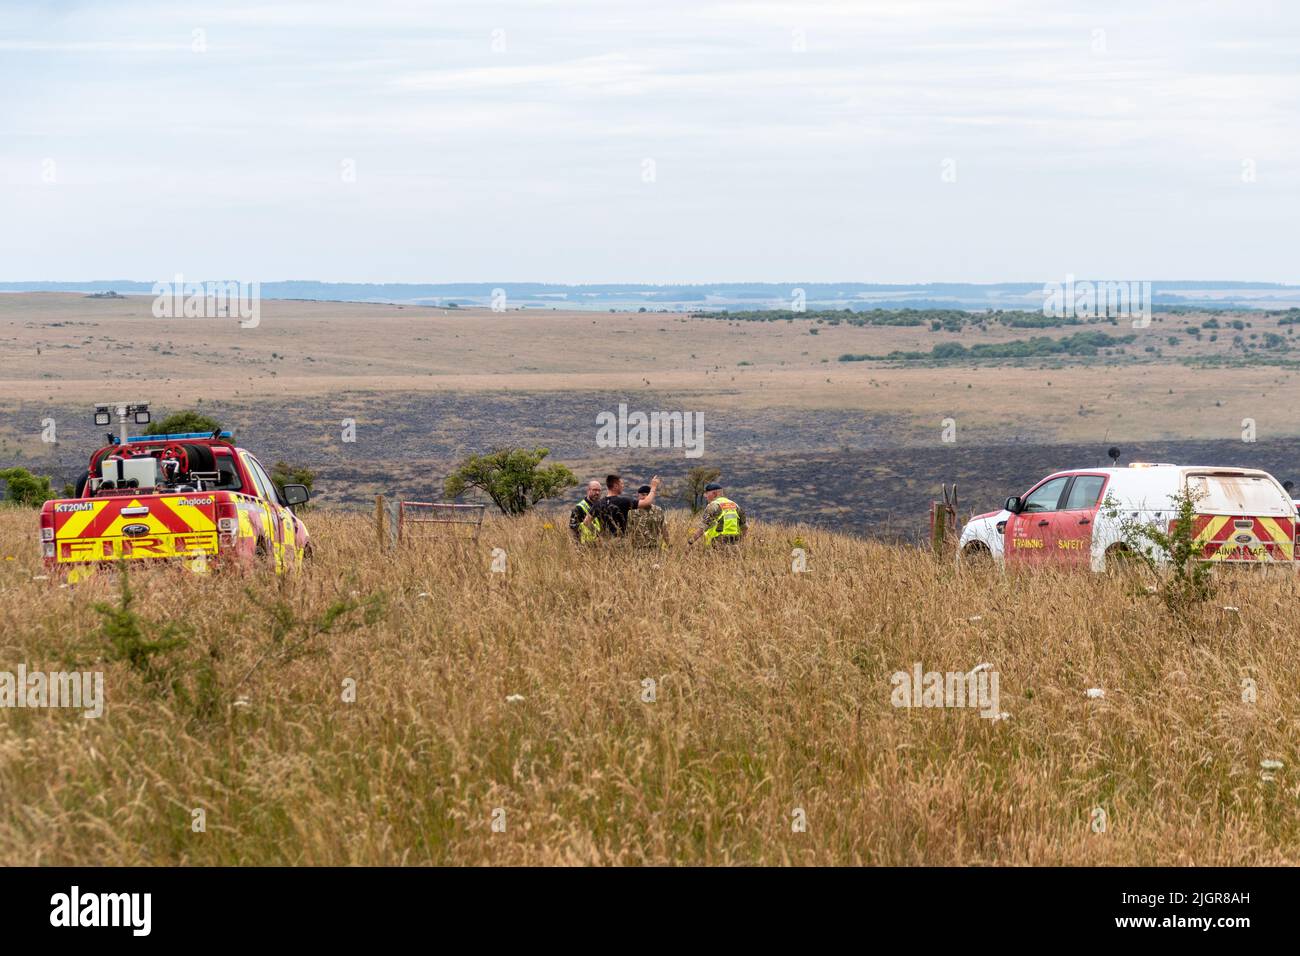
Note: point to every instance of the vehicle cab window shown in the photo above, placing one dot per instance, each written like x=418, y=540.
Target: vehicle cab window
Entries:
x=272, y=491
x=1084, y=493
x=228, y=475
x=1046, y=497
x=254, y=474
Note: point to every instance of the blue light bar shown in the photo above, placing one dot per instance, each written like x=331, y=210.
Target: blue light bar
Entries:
x=183, y=436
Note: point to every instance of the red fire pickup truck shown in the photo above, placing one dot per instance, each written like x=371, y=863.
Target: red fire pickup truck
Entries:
x=193, y=499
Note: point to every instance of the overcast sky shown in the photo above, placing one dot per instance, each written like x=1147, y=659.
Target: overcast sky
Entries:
x=650, y=141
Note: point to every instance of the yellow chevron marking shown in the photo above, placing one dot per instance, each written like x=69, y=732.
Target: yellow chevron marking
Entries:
x=192, y=515
x=1212, y=527
x=155, y=525
x=1284, y=542
x=74, y=526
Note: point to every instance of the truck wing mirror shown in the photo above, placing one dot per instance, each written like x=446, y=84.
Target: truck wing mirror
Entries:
x=295, y=494
x=1013, y=504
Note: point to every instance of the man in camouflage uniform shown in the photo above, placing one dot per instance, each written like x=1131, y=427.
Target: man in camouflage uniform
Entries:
x=645, y=524
x=723, y=523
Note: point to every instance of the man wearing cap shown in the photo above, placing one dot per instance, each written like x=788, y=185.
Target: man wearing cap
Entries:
x=616, y=505
x=645, y=525
x=724, y=521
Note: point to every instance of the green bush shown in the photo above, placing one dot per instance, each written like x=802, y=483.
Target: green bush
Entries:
x=25, y=489
x=1078, y=345
x=183, y=422
x=1173, y=555
x=286, y=474
x=512, y=477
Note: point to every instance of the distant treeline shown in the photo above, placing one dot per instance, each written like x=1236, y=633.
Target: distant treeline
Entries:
x=946, y=320
x=1078, y=345
x=955, y=320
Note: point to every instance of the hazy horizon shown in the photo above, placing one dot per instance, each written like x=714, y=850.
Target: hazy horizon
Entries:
x=635, y=283
x=728, y=296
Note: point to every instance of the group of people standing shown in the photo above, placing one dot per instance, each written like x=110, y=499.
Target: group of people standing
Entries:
x=640, y=520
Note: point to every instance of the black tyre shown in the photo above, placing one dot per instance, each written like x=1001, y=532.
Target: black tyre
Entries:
x=1119, y=557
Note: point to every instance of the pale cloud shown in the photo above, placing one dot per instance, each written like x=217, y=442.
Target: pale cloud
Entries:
x=787, y=139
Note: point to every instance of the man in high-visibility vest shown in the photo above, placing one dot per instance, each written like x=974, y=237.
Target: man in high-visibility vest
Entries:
x=724, y=520
x=584, y=520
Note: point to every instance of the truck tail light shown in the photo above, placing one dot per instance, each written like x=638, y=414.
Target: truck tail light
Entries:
x=47, y=534
x=227, y=523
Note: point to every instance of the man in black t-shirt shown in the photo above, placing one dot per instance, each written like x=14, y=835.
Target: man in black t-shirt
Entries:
x=616, y=505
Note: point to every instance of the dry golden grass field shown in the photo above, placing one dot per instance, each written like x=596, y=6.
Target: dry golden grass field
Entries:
x=518, y=697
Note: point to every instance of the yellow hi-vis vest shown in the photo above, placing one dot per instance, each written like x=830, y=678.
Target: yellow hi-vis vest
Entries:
x=728, y=523
x=588, y=533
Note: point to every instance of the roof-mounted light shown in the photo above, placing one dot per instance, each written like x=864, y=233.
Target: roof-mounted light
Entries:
x=182, y=436
x=124, y=412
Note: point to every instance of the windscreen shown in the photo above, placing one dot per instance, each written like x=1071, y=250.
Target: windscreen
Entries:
x=1238, y=495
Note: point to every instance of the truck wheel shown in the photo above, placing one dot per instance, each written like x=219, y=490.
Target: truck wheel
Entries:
x=1119, y=557
x=976, y=555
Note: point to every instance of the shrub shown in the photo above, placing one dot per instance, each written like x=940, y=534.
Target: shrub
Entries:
x=285, y=474
x=1173, y=554
x=512, y=477
x=25, y=489
x=693, y=491
x=182, y=422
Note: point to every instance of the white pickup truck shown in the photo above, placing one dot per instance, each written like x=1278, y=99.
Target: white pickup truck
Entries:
x=1076, y=518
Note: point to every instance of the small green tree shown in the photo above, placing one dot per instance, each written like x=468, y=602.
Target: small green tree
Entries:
x=1173, y=555
x=286, y=474
x=156, y=653
x=183, y=422
x=125, y=633
x=692, y=492
x=512, y=477
x=24, y=488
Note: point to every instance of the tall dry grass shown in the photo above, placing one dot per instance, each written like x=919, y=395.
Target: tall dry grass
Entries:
x=772, y=693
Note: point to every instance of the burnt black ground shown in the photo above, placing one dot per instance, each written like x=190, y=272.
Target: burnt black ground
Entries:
x=845, y=469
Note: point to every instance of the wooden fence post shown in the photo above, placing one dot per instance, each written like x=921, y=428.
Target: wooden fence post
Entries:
x=938, y=525
x=394, y=524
